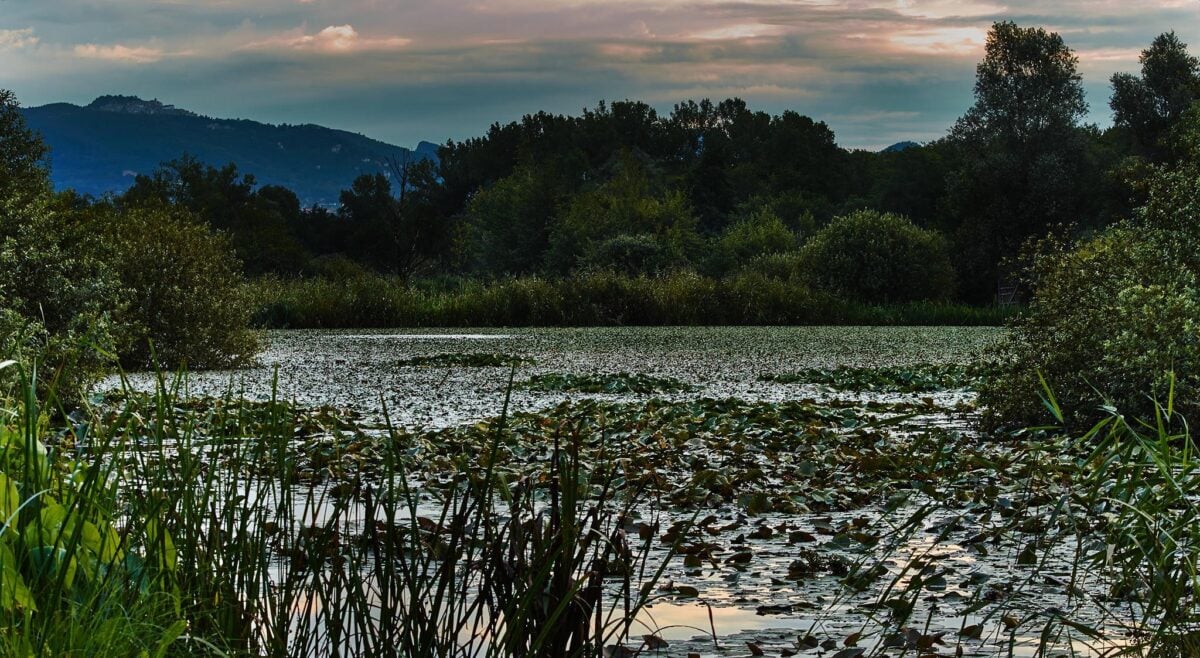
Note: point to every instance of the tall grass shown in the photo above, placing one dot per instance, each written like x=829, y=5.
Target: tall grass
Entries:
x=1144, y=476
x=599, y=299
x=158, y=526
x=162, y=526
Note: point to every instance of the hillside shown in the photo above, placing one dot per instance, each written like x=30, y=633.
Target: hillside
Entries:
x=901, y=146
x=99, y=148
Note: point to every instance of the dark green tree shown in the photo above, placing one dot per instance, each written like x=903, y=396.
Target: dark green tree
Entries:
x=627, y=204
x=395, y=230
x=23, y=173
x=1021, y=154
x=1149, y=105
x=509, y=223
x=1026, y=86
x=226, y=200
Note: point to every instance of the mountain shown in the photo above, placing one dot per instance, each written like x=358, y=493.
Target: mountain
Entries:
x=901, y=146
x=99, y=148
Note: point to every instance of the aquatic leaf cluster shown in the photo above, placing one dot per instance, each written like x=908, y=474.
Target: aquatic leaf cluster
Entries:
x=465, y=360
x=617, y=383
x=918, y=378
x=791, y=503
x=762, y=457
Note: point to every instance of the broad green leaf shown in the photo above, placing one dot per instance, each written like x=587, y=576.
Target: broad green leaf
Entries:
x=161, y=546
x=170, y=634
x=13, y=591
x=10, y=499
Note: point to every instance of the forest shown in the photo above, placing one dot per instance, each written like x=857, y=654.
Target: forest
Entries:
x=717, y=188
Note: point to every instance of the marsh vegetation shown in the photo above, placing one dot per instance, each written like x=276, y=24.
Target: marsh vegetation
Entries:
x=806, y=519
x=674, y=489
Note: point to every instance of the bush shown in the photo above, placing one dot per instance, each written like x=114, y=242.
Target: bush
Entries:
x=1110, y=320
x=181, y=288
x=876, y=258
x=784, y=266
x=54, y=298
x=55, y=295
x=336, y=267
x=760, y=234
x=1113, y=320
x=590, y=299
x=83, y=284
x=626, y=254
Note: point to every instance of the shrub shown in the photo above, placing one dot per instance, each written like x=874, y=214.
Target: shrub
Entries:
x=590, y=299
x=1114, y=317
x=626, y=254
x=181, y=288
x=1109, y=320
x=55, y=295
x=782, y=266
x=876, y=257
x=754, y=298
x=82, y=284
x=337, y=267
x=761, y=233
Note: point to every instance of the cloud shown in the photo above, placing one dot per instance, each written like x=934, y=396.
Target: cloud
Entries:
x=741, y=31
x=15, y=39
x=942, y=40
x=876, y=70
x=119, y=53
x=332, y=39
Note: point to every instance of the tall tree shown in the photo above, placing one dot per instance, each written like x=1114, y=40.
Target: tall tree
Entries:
x=1026, y=86
x=1022, y=154
x=1149, y=105
x=400, y=234
x=509, y=222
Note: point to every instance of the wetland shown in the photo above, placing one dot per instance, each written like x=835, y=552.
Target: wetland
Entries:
x=759, y=491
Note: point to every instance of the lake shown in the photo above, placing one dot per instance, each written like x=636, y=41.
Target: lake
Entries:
x=828, y=518
x=359, y=369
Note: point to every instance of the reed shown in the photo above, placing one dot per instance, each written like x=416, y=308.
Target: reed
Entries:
x=597, y=299
x=175, y=527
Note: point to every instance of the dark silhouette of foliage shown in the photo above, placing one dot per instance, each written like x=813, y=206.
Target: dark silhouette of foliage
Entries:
x=227, y=200
x=712, y=187
x=876, y=257
x=1021, y=154
x=1147, y=106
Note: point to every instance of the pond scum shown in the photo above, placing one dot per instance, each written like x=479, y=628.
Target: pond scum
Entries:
x=150, y=525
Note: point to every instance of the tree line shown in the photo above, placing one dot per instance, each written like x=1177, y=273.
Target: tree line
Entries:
x=710, y=186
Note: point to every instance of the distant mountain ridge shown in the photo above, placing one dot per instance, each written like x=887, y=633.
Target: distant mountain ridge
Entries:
x=901, y=146
x=135, y=105
x=99, y=148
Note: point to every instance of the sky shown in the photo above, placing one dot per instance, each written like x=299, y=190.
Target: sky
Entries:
x=876, y=71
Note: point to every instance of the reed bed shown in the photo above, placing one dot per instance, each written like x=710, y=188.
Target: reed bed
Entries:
x=153, y=524
x=162, y=526
x=601, y=299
